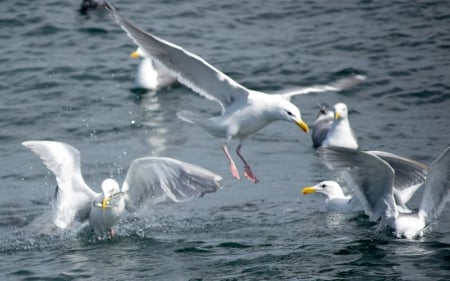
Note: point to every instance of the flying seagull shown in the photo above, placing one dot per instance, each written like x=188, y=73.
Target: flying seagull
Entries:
x=244, y=111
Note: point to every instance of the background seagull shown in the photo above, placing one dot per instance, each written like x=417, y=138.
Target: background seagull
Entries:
x=340, y=133
x=149, y=179
x=149, y=74
x=373, y=181
x=244, y=111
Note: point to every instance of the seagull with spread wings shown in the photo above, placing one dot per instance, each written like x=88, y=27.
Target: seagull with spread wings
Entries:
x=244, y=111
x=373, y=181
x=148, y=179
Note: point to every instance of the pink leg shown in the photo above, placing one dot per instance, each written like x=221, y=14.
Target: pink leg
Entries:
x=247, y=170
x=233, y=168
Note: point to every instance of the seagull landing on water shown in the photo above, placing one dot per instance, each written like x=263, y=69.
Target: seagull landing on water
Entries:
x=409, y=175
x=149, y=179
x=244, y=111
x=373, y=180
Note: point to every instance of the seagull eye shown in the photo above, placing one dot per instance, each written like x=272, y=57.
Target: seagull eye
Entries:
x=289, y=113
x=323, y=185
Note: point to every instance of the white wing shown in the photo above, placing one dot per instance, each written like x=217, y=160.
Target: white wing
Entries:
x=342, y=84
x=190, y=69
x=409, y=175
x=371, y=178
x=437, y=187
x=158, y=179
x=73, y=197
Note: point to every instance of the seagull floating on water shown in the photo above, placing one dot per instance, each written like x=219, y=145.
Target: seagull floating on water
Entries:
x=373, y=180
x=409, y=176
x=244, y=111
x=340, y=133
x=150, y=75
x=149, y=179
x=335, y=199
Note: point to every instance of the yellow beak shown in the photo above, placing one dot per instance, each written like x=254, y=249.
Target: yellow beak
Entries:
x=302, y=125
x=308, y=190
x=105, y=202
x=337, y=116
x=134, y=55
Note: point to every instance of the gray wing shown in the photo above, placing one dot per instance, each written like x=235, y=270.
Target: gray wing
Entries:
x=409, y=175
x=190, y=69
x=371, y=178
x=437, y=187
x=73, y=197
x=159, y=179
x=321, y=126
x=339, y=85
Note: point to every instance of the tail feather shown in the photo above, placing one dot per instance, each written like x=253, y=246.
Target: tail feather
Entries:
x=204, y=122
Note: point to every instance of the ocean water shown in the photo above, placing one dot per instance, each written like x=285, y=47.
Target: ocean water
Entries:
x=68, y=77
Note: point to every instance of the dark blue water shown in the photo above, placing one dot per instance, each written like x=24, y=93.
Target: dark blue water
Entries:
x=67, y=77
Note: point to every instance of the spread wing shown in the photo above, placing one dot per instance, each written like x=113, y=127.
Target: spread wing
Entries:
x=409, y=175
x=157, y=179
x=339, y=85
x=371, y=178
x=190, y=69
x=73, y=197
x=437, y=187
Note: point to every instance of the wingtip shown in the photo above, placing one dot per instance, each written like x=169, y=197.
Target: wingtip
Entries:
x=28, y=143
x=109, y=7
x=349, y=82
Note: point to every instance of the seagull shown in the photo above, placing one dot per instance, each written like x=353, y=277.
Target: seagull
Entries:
x=149, y=179
x=340, y=133
x=150, y=75
x=321, y=126
x=409, y=176
x=373, y=180
x=335, y=199
x=244, y=111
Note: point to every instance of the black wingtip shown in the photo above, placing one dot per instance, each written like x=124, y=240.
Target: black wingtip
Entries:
x=109, y=7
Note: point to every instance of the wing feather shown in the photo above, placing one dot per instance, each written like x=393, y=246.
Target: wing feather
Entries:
x=437, y=187
x=371, y=178
x=157, y=179
x=339, y=85
x=73, y=199
x=409, y=175
x=190, y=69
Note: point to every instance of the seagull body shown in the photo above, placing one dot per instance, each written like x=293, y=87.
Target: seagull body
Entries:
x=373, y=180
x=321, y=126
x=148, y=179
x=340, y=133
x=244, y=111
x=149, y=74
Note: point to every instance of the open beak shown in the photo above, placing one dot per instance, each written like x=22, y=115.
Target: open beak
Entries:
x=134, y=55
x=308, y=190
x=302, y=125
